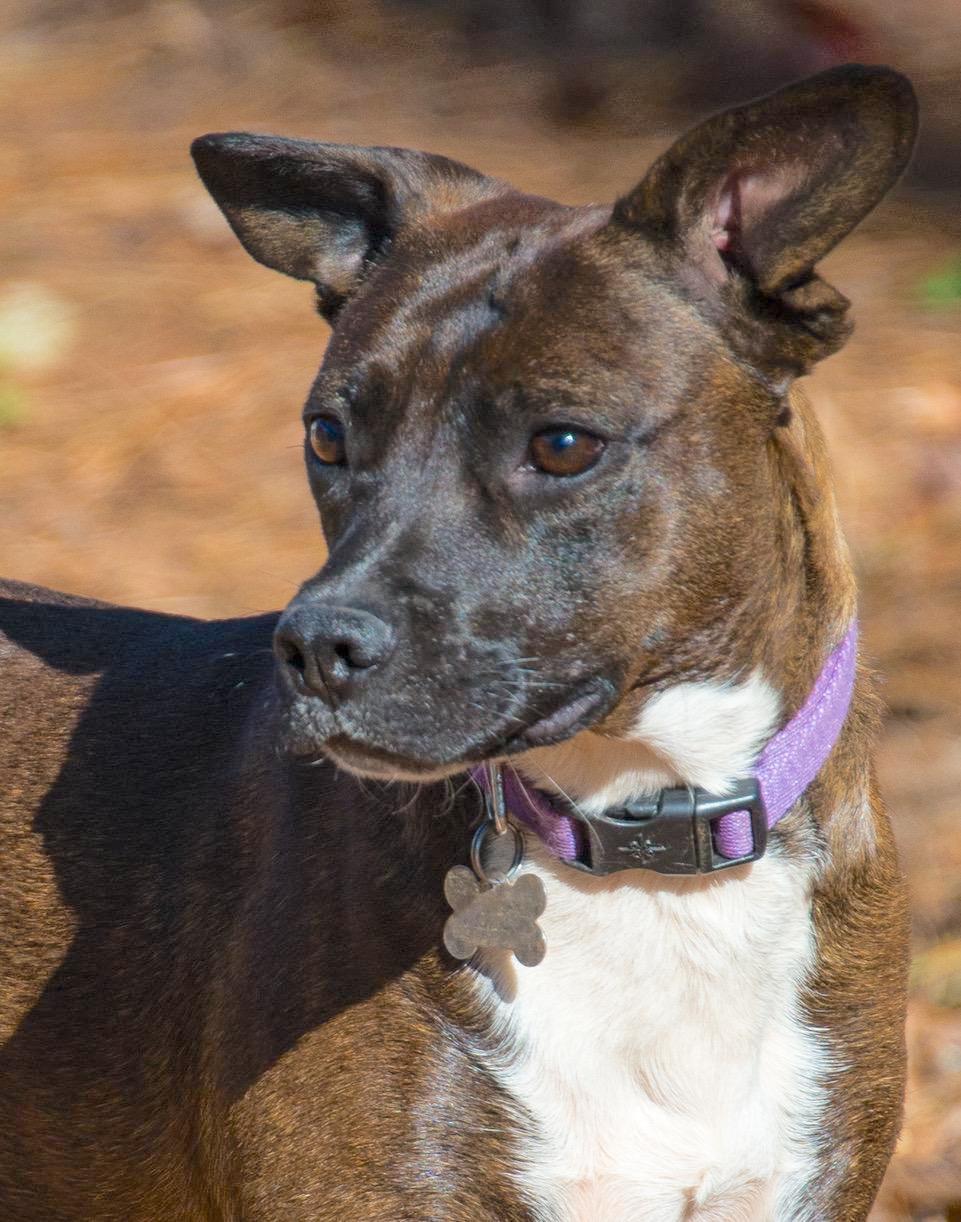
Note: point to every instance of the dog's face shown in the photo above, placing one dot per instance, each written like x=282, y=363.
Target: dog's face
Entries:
x=538, y=438
x=512, y=450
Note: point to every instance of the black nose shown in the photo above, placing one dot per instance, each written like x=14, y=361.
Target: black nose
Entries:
x=329, y=649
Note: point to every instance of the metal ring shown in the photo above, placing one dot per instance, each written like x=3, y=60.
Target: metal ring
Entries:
x=477, y=843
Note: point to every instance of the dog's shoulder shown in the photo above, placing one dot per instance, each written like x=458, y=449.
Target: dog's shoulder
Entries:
x=74, y=635
x=66, y=632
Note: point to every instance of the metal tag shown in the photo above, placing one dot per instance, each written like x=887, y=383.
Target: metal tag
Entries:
x=492, y=908
x=488, y=915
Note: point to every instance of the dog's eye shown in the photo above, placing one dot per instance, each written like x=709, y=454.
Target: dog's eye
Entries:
x=564, y=451
x=326, y=435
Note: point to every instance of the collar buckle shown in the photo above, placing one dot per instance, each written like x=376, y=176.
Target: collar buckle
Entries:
x=672, y=833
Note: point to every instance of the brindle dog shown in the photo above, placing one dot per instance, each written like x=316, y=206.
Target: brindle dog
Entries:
x=562, y=474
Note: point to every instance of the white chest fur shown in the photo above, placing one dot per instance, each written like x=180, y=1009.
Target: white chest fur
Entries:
x=659, y=1049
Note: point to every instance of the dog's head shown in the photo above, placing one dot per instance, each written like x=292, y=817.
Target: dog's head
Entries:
x=539, y=437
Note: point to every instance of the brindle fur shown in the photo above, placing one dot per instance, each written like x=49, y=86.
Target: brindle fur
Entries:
x=222, y=990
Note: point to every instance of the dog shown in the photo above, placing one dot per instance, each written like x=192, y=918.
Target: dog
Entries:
x=531, y=864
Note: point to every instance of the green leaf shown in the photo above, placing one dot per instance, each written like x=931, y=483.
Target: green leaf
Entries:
x=942, y=289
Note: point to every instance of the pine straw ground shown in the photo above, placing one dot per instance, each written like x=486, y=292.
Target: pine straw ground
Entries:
x=151, y=377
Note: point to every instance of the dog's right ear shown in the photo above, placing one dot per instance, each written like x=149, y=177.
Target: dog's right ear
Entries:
x=326, y=212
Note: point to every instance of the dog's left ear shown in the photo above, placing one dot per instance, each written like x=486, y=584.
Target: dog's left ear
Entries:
x=755, y=196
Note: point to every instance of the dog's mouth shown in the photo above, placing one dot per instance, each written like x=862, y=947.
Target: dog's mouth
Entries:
x=575, y=712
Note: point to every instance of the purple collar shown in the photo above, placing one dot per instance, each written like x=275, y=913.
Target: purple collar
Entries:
x=690, y=831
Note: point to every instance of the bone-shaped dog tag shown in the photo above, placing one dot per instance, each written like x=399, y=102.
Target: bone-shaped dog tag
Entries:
x=500, y=915
x=492, y=908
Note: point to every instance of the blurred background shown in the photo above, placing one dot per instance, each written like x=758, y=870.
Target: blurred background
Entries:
x=151, y=375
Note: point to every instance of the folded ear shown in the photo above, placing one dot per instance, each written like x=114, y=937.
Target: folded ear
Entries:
x=326, y=212
x=755, y=196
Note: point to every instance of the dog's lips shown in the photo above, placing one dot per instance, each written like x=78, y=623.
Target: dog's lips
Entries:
x=384, y=765
x=375, y=759
x=576, y=714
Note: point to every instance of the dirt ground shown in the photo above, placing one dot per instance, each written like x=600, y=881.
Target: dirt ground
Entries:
x=151, y=375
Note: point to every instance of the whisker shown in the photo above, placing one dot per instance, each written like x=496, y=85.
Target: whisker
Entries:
x=560, y=789
x=411, y=801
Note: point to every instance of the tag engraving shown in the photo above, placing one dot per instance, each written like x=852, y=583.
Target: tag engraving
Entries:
x=503, y=916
